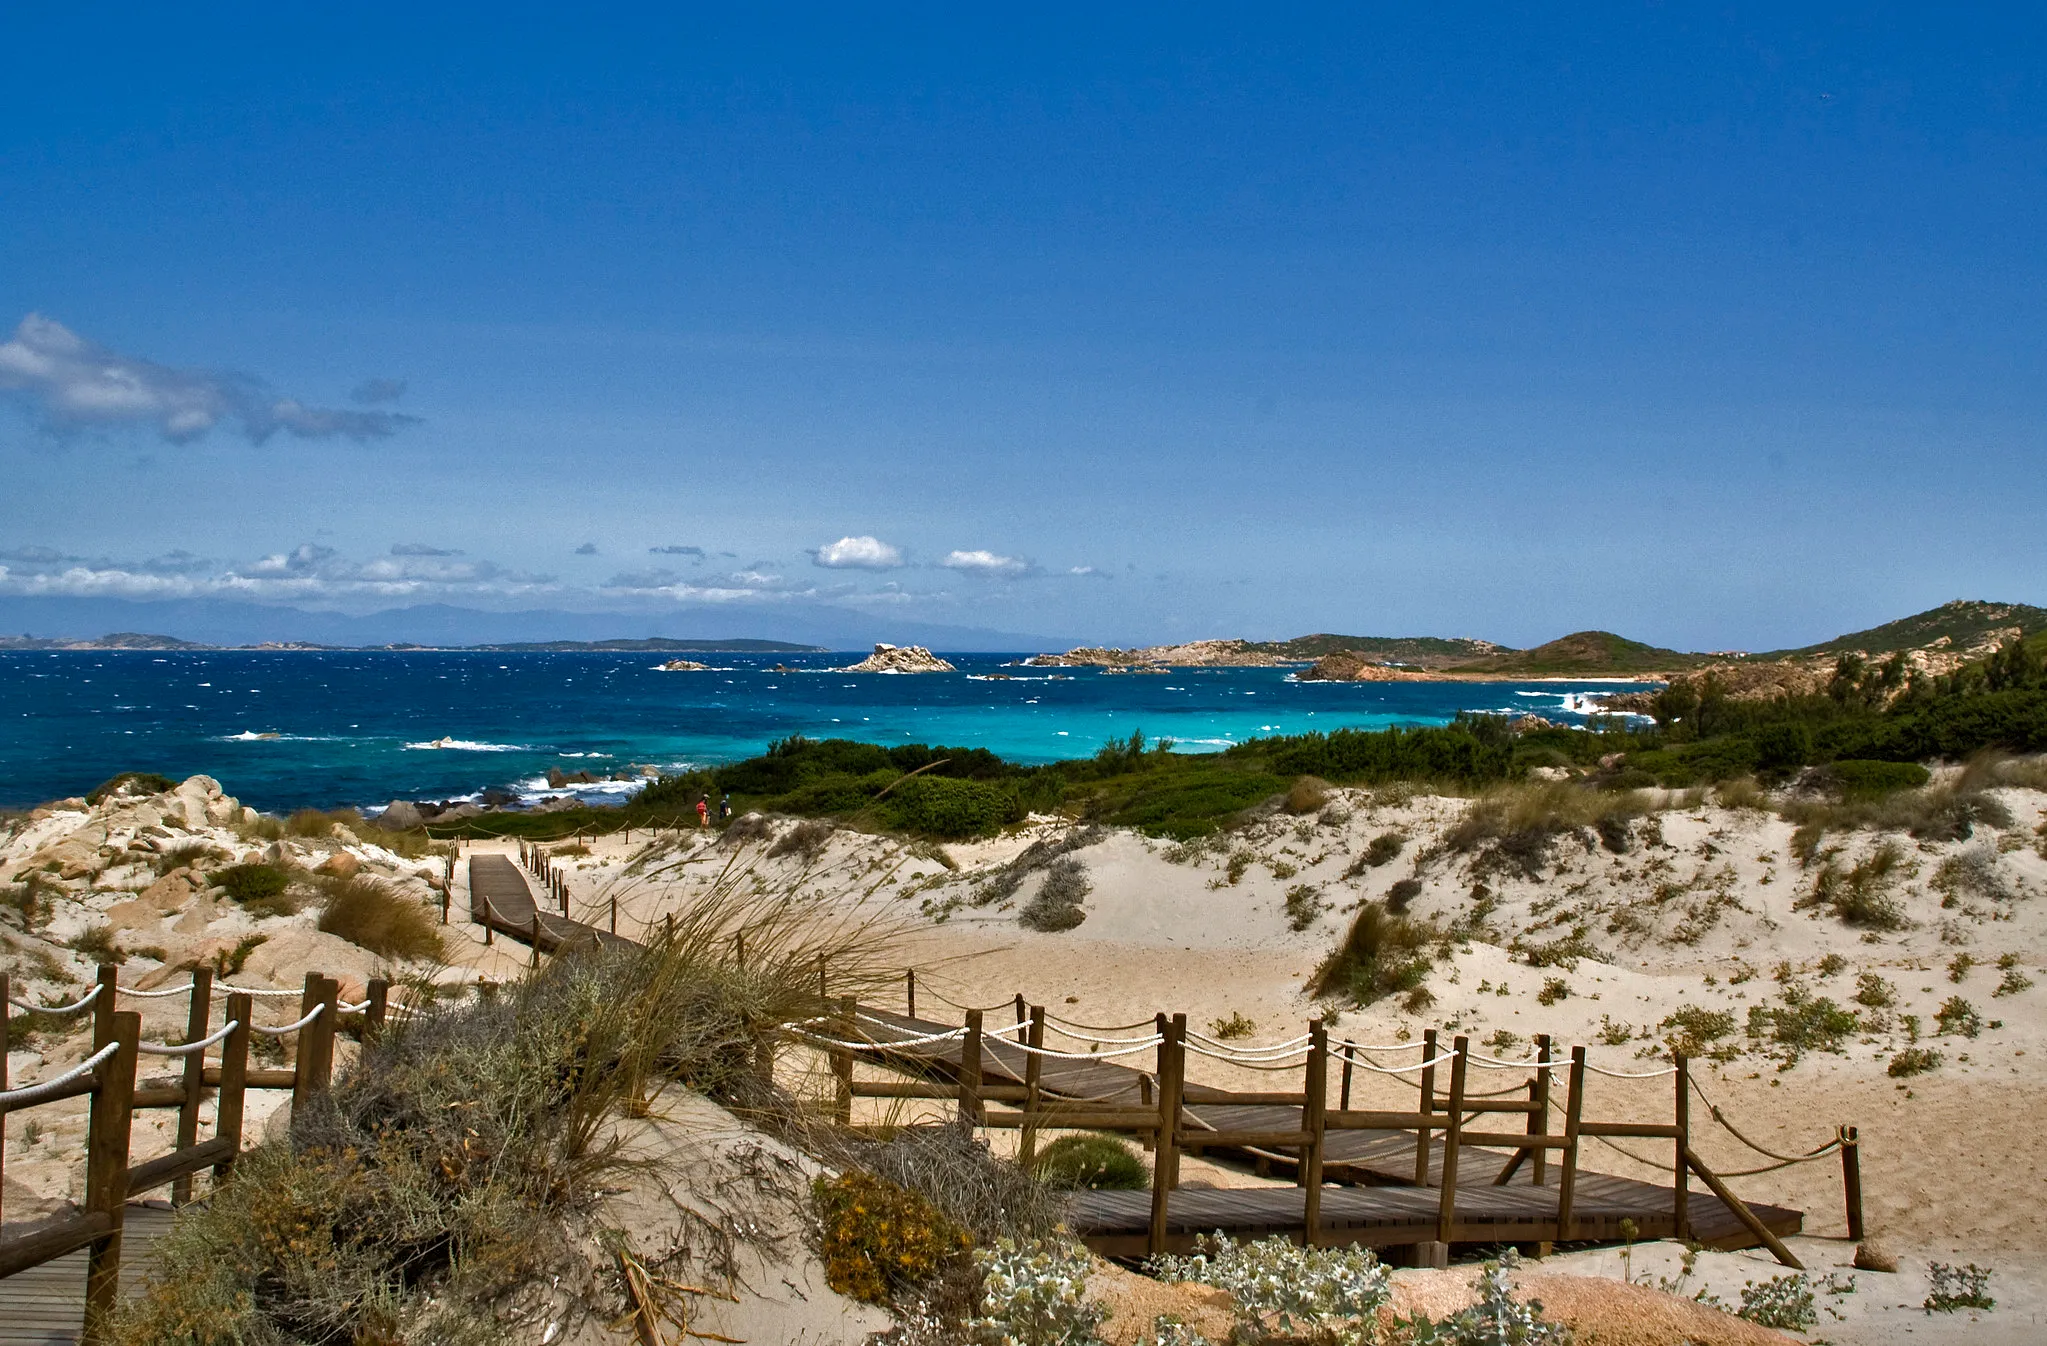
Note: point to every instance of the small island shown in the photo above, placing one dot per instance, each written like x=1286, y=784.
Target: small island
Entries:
x=899, y=659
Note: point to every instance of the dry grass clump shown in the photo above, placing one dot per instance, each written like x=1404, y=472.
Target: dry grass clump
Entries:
x=747, y=827
x=806, y=840
x=1382, y=954
x=373, y=915
x=1513, y=826
x=1044, y=853
x=409, y=1201
x=1861, y=894
x=1943, y=812
x=1309, y=794
x=190, y=854
x=1974, y=872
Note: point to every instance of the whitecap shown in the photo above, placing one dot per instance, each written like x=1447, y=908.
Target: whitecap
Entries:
x=470, y=745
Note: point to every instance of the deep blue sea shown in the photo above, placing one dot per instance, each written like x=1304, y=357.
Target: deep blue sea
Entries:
x=283, y=730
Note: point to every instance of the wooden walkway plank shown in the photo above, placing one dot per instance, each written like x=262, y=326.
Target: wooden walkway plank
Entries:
x=45, y=1305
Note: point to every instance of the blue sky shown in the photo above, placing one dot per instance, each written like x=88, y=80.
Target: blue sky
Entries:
x=1720, y=330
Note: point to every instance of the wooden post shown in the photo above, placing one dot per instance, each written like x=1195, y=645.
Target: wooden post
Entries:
x=1428, y=1105
x=1743, y=1213
x=1166, y=1163
x=823, y=993
x=1574, y=1115
x=1851, y=1179
x=1453, y=1128
x=486, y=922
x=315, y=1062
x=533, y=938
x=1680, y=1177
x=109, y=982
x=1023, y=1009
x=614, y=915
x=4, y=1040
x=842, y=1061
x=106, y=1173
x=1538, y=1120
x=1145, y=1101
x=375, y=1012
x=196, y=1020
x=234, y=1076
x=910, y=992
x=1034, y=1069
x=1350, y=1055
x=445, y=890
x=1315, y=1082
x=970, y=1072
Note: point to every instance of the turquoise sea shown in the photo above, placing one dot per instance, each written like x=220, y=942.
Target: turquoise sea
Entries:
x=283, y=730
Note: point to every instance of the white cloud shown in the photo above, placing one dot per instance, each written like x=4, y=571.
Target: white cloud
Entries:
x=858, y=553
x=1089, y=573
x=981, y=562
x=75, y=383
x=307, y=573
x=422, y=549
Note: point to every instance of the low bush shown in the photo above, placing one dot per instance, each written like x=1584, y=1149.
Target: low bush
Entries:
x=1962, y=1287
x=1496, y=1318
x=940, y=806
x=1034, y=1293
x=1782, y=1302
x=1874, y=992
x=1801, y=1024
x=189, y=854
x=1230, y=1029
x=878, y=1239
x=1553, y=990
x=1091, y=1163
x=372, y=915
x=1974, y=872
x=229, y=962
x=1513, y=826
x=807, y=839
x=1958, y=1016
x=1869, y=780
x=263, y=890
x=1056, y=906
x=96, y=943
x=1312, y=1295
x=1402, y=894
x=130, y=783
x=1692, y=1031
x=1913, y=1061
x=1861, y=895
x=1304, y=906
x=1382, y=954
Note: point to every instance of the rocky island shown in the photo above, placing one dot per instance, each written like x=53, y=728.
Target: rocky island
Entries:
x=899, y=659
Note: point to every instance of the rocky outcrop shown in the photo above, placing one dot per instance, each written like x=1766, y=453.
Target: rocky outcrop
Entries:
x=1351, y=666
x=1193, y=654
x=400, y=816
x=683, y=666
x=900, y=659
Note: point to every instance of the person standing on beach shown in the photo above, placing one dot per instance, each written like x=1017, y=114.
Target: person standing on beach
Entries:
x=703, y=811
x=724, y=808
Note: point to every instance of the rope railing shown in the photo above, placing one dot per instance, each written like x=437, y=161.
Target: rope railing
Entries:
x=1052, y=1018
x=1532, y=1063
x=279, y=1032
x=187, y=1048
x=71, y=1008
x=1275, y=1064
x=1783, y=1160
x=1631, y=1074
x=29, y=1093
x=1291, y=1047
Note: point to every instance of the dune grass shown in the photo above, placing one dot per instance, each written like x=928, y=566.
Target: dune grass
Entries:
x=373, y=915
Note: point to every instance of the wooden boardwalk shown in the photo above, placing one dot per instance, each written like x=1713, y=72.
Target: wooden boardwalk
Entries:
x=1376, y=1200
x=45, y=1305
x=501, y=899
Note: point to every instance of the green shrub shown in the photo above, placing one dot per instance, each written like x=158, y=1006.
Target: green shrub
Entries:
x=1868, y=780
x=372, y=915
x=1034, y=1293
x=1553, y=990
x=1309, y=1294
x=96, y=942
x=1092, y=1163
x=1913, y=1061
x=264, y=890
x=1056, y=906
x=1957, y=1015
x=1784, y=1302
x=1963, y=1287
x=1802, y=1024
x=939, y=806
x=1693, y=1031
x=1234, y=1027
x=1306, y=795
x=1304, y=906
x=132, y=783
x=1874, y=992
x=1402, y=894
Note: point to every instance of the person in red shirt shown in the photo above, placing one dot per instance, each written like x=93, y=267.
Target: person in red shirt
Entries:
x=703, y=811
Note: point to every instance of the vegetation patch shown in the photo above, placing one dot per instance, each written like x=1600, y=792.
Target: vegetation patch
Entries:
x=1381, y=954
x=880, y=1240
x=130, y=783
x=263, y=890
x=372, y=915
x=1093, y=1163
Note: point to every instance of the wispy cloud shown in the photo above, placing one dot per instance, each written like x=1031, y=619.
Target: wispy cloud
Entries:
x=309, y=572
x=370, y=392
x=736, y=587
x=674, y=550
x=988, y=563
x=74, y=383
x=1089, y=573
x=858, y=553
x=587, y=549
x=422, y=549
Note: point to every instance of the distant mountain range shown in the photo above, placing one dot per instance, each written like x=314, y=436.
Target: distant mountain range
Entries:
x=1960, y=625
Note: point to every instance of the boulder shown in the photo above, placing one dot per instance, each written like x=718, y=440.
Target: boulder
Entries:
x=340, y=865
x=399, y=816
x=1873, y=1256
x=173, y=891
x=73, y=858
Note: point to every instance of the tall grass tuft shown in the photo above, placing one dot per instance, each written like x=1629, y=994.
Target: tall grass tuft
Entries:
x=434, y=1178
x=1513, y=826
x=373, y=915
x=1381, y=954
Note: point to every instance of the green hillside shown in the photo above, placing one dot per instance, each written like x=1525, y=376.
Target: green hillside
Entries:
x=1425, y=650
x=1590, y=653
x=1963, y=622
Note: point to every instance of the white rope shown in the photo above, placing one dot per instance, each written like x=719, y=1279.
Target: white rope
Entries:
x=15, y=1098
x=152, y=995
x=1290, y=1047
x=311, y=1015
x=1095, y=1038
x=1052, y=1018
x=1200, y=1050
x=1133, y=1050
x=357, y=1008
x=254, y=990
x=1450, y=1055
x=1378, y=1046
x=71, y=1008
x=1495, y=1063
x=916, y=1040
x=1631, y=1075
x=186, y=1049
